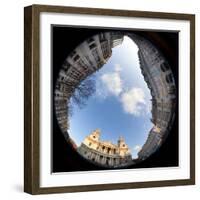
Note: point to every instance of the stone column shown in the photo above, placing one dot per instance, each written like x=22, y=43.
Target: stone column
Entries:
x=92, y=155
x=111, y=161
x=104, y=160
x=97, y=158
x=100, y=159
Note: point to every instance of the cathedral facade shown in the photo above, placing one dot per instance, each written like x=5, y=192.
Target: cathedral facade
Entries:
x=105, y=153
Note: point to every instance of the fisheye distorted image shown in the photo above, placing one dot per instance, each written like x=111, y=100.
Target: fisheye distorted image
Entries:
x=114, y=99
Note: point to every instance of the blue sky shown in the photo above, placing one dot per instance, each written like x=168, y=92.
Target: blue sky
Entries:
x=121, y=105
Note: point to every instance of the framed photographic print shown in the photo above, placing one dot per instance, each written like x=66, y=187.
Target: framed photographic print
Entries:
x=109, y=99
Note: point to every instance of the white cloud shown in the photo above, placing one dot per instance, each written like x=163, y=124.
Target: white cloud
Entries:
x=135, y=151
x=118, y=68
x=133, y=101
x=113, y=83
x=137, y=148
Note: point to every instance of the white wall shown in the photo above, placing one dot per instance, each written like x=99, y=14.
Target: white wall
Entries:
x=11, y=101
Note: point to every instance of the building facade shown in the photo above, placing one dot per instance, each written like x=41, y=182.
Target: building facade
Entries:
x=152, y=143
x=105, y=153
x=159, y=78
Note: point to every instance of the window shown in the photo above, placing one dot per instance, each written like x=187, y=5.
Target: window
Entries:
x=104, y=48
x=65, y=70
x=76, y=58
x=92, y=46
x=57, y=94
x=96, y=55
x=90, y=40
x=62, y=78
x=164, y=66
x=75, y=73
x=102, y=36
x=169, y=78
x=89, y=61
x=172, y=90
x=84, y=69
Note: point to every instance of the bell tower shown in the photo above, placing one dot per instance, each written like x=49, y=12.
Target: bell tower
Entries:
x=95, y=134
x=123, y=147
x=121, y=142
x=92, y=140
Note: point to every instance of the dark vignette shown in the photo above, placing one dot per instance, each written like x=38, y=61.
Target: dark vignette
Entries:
x=64, y=40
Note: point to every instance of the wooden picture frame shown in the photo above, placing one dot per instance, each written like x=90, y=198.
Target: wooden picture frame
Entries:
x=32, y=106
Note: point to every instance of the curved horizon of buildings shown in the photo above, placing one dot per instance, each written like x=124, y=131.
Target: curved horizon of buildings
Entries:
x=160, y=80
x=90, y=56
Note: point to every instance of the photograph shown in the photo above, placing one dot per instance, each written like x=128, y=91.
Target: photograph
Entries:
x=109, y=99
x=114, y=98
